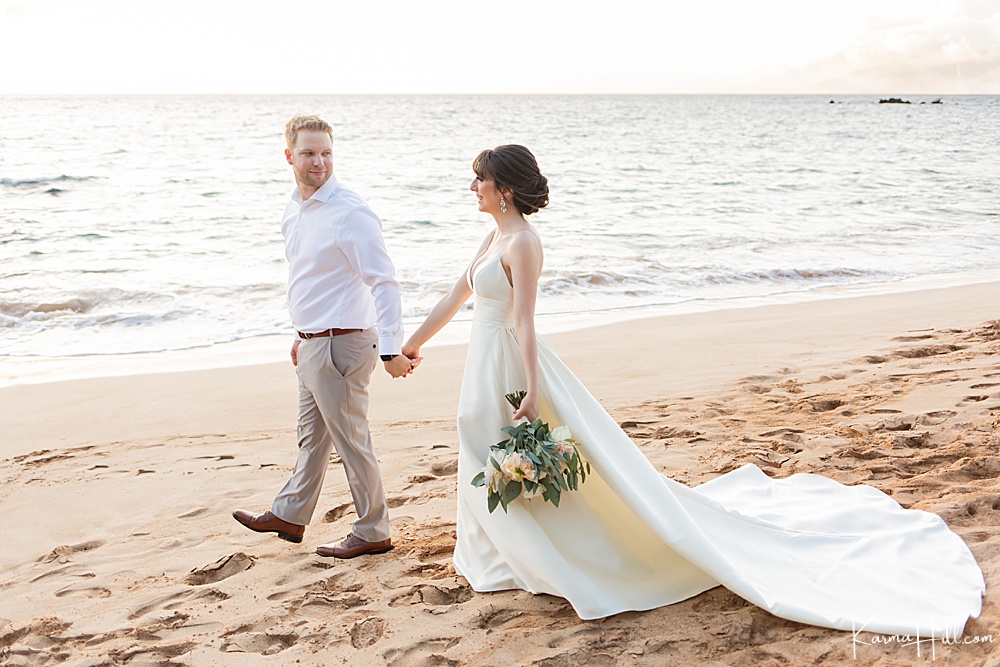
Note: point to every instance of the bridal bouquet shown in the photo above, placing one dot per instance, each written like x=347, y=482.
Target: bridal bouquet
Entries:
x=533, y=459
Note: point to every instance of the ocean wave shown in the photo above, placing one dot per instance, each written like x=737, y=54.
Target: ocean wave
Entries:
x=562, y=282
x=34, y=310
x=29, y=182
x=785, y=275
x=16, y=309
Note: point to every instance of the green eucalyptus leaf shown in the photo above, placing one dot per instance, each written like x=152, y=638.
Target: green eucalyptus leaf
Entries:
x=554, y=495
x=479, y=479
x=493, y=500
x=511, y=491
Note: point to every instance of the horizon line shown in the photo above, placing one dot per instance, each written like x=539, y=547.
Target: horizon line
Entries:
x=480, y=94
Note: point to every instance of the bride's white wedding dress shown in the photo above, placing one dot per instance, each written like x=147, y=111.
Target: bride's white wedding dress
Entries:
x=805, y=548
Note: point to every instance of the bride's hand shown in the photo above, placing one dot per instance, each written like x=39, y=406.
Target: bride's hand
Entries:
x=411, y=351
x=528, y=409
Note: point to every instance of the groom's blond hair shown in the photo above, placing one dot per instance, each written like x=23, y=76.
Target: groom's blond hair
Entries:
x=309, y=122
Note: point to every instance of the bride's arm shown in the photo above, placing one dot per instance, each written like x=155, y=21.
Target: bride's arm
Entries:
x=439, y=316
x=444, y=310
x=524, y=257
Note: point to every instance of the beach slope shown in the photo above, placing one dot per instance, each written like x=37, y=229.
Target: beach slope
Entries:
x=116, y=494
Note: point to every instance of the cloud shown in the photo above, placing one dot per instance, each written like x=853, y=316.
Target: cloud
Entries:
x=951, y=47
x=13, y=11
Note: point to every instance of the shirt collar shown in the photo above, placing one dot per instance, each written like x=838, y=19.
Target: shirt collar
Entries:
x=323, y=194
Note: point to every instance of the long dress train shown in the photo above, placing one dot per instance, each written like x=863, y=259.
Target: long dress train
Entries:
x=805, y=548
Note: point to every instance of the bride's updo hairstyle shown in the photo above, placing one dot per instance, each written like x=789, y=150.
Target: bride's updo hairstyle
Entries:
x=514, y=168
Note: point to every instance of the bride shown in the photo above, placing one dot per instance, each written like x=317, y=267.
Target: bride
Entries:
x=805, y=548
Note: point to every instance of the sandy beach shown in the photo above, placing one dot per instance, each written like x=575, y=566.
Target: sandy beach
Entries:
x=119, y=547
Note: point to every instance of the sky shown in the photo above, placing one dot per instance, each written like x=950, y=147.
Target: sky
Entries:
x=503, y=47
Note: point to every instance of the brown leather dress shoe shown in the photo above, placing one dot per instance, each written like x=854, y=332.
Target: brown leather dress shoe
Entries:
x=268, y=523
x=352, y=546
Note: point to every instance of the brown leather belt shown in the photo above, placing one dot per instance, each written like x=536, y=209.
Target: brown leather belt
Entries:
x=326, y=334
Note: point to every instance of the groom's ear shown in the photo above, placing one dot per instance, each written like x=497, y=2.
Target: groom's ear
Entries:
x=288, y=155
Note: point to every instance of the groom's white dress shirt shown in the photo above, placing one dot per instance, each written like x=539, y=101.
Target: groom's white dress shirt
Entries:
x=339, y=273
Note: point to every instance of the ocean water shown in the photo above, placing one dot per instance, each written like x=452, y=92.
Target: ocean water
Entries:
x=149, y=224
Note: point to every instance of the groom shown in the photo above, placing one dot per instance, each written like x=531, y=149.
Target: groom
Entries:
x=340, y=284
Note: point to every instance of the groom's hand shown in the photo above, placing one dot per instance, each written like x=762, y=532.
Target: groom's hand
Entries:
x=399, y=366
x=295, y=352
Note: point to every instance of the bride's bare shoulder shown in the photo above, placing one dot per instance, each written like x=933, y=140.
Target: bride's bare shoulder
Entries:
x=526, y=240
x=525, y=247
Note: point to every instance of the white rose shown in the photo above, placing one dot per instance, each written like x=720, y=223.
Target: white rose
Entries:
x=560, y=434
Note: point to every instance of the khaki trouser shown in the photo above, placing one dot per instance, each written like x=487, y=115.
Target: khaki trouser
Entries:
x=333, y=411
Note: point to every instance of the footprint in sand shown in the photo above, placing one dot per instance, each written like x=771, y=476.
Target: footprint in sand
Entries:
x=432, y=595
x=631, y=423
x=150, y=655
x=819, y=404
x=790, y=434
x=338, y=512
x=936, y=417
x=972, y=399
x=493, y=617
x=176, y=600
x=427, y=652
x=262, y=643
x=305, y=570
x=72, y=591
x=438, y=470
x=221, y=569
x=981, y=467
x=927, y=351
x=429, y=571
x=64, y=552
x=674, y=432
x=344, y=580
x=367, y=632
x=43, y=456
x=445, y=468
x=398, y=501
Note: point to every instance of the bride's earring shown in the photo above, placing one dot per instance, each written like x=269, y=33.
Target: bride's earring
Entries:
x=503, y=204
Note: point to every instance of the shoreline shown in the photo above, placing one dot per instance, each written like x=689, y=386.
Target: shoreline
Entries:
x=273, y=348
x=697, y=346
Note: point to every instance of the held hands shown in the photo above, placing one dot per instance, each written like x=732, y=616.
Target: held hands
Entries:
x=405, y=363
x=528, y=409
x=401, y=365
